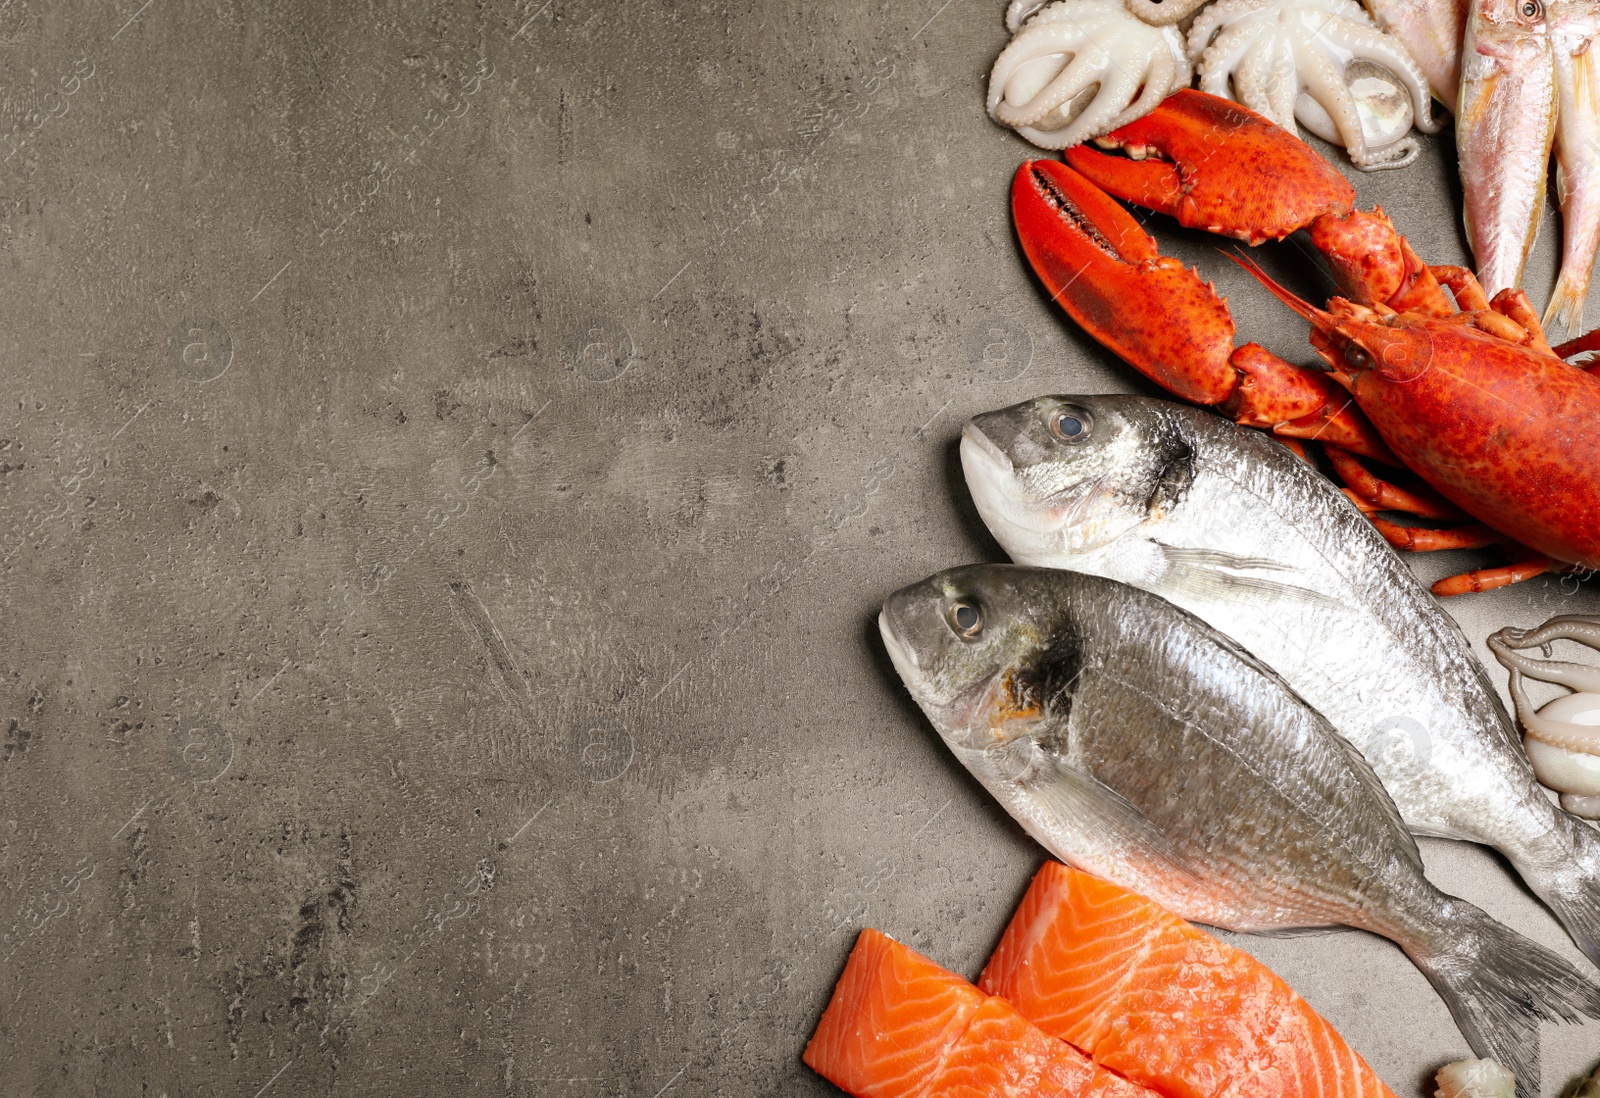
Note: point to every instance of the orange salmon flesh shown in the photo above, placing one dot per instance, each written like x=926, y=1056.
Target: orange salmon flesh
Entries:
x=899, y=1026
x=1163, y=1003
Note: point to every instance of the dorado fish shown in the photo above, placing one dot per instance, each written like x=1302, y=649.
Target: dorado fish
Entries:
x=1231, y=526
x=1136, y=742
x=1504, y=128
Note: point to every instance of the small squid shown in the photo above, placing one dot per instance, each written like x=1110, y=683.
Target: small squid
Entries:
x=1563, y=737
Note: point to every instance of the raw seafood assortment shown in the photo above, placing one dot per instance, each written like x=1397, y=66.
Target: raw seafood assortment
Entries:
x=1519, y=76
x=1132, y=740
x=1324, y=63
x=1224, y=697
x=1235, y=529
x=1433, y=365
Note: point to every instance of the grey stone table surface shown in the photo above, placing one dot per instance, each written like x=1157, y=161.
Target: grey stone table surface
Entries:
x=452, y=454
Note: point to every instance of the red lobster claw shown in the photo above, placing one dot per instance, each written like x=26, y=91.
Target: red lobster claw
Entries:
x=1105, y=271
x=1215, y=165
x=1160, y=318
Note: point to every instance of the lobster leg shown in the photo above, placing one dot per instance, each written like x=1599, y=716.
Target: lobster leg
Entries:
x=1419, y=539
x=1586, y=343
x=1514, y=304
x=1511, y=305
x=1372, y=494
x=1488, y=579
x=1461, y=282
x=1295, y=403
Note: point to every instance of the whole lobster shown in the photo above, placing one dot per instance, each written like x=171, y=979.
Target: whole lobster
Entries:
x=1421, y=369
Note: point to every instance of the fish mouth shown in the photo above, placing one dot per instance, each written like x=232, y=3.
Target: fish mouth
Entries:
x=985, y=449
x=900, y=653
x=1022, y=523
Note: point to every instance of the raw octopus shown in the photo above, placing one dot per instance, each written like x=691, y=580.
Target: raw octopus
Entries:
x=1081, y=68
x=1563, y=737
x=1321, y=62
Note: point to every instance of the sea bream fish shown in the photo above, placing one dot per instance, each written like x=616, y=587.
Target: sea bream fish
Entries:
x=1136, y=742
x=1234, y=528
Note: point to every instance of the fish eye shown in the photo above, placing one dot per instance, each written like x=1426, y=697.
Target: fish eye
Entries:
x=966, y=619
x=1070, y=423
x=1530, y=9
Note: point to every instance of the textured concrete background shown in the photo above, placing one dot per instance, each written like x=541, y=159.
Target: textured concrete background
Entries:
x=451, y=454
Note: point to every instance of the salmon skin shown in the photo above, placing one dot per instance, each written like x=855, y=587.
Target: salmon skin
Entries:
x=1162, y=1002
x=899, y=1026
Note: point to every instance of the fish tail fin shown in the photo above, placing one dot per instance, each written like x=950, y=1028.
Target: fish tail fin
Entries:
x=1566, y=303
x=1570, y=884
x=1499, y=986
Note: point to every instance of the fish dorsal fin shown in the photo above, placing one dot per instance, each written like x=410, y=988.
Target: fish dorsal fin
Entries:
x=1212, y=572
x=1084, y=805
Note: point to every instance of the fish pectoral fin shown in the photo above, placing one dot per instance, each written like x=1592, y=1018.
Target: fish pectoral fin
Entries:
x=1208, y=573
x=1081, y=804
x=1363, y=769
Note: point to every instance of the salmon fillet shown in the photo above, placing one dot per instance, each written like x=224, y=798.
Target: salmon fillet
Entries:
x=899, y=1026
x=1162, y=1002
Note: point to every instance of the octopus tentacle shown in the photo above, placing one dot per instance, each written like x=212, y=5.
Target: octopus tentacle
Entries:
x=1101, y=115
x=1087, y=63
x=1019, y=11
x=1324, y=82
x=1378, y=45
x=1251, y=77
x=1224, y=15
x=1163, y=74
x=1283, y=83
x=1224, y=56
